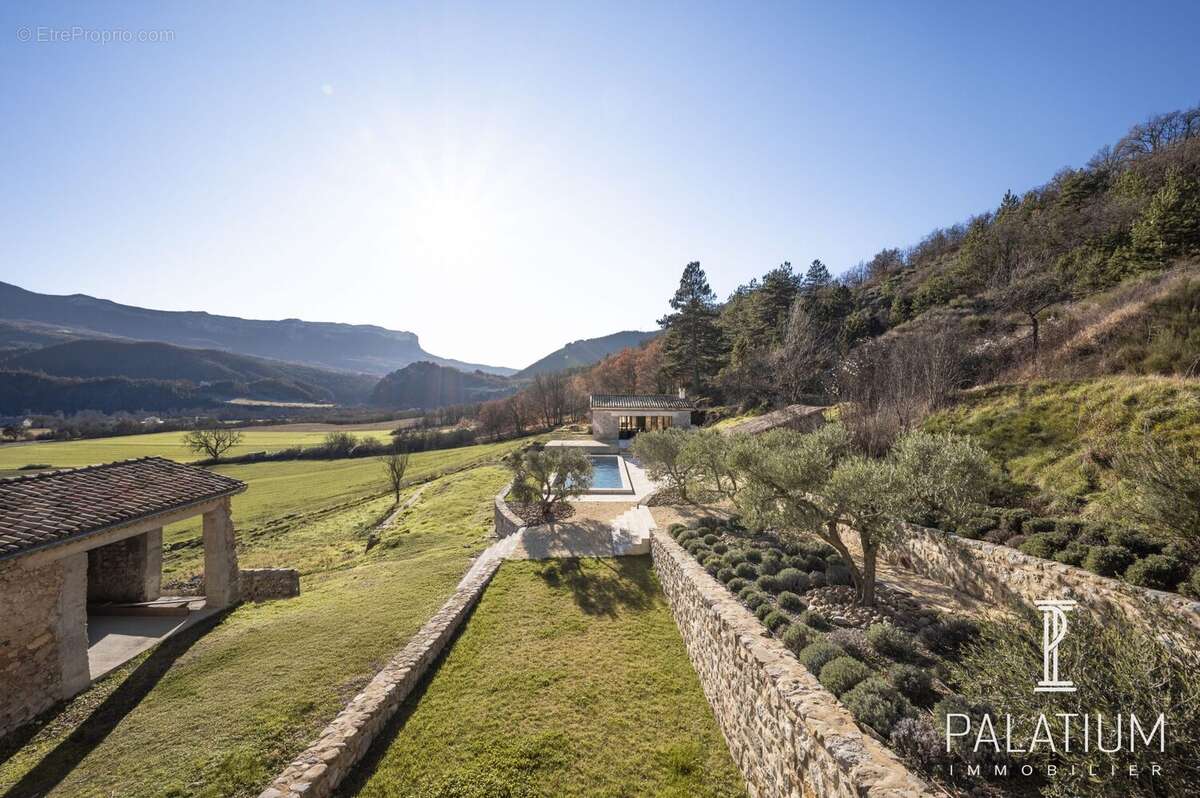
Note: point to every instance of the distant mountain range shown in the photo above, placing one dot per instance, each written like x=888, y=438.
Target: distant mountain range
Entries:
x=71, y=353
x=216, y=374
x=585, y=352
x=34, y=318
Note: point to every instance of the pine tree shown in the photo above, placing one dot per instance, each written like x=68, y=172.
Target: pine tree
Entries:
x=693, y=348
x=779, y=289
x=816, y=277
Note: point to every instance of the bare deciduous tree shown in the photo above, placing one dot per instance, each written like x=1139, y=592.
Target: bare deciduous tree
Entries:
x=1029, y=291
x=212, y=441
x=395, y=464
x=550, y=395
x=889, y=385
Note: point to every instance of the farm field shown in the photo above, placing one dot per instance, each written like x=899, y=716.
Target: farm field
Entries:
x=71, y=454
x=217, y=714
x=570, y=678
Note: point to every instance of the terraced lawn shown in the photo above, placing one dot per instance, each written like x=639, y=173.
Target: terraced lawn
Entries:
x=217, y=714
x=569, y=678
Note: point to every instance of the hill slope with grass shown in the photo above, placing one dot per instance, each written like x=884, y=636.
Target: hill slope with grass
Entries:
x=1056, y=439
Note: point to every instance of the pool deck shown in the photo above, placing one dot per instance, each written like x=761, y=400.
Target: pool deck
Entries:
x=587, y=445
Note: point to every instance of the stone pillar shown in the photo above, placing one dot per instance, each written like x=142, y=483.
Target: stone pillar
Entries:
x=72, y=625
x=127, y=570
x=605, y=424
x=220, y=557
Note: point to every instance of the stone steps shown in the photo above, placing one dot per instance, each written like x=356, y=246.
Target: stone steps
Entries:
x=631, y=532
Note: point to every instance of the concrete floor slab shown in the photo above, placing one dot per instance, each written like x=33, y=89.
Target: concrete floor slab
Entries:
x=113, y=640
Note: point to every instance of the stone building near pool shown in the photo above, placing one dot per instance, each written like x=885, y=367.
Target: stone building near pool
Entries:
x=617, y=416
x=93, y=536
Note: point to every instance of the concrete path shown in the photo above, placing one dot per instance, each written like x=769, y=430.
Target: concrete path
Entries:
x=552, y=541
x=626, y=534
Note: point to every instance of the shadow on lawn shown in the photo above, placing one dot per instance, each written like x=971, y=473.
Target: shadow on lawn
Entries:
x=58, y=764
x=615, y=584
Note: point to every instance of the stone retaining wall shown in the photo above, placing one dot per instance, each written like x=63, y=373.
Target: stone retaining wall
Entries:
x=318, y=771
x=788, y=734
x=264, y=584
x=1003, y=575
x=507, y=522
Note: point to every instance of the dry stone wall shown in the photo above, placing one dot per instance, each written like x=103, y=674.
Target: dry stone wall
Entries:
x=507, y=522
x=43, y=637
x=318, y=771
x=789, y=736
x=1003, y=575
x=264, y=584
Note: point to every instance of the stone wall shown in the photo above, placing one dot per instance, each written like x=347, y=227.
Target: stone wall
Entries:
x=128, y=570
x=507, y=522
x=1003, y=575
x=43, y=636
x=788, y=735
x=318, y=771
x=264, y=584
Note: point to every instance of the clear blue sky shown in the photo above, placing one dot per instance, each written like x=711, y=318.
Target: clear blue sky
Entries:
x=501, y=178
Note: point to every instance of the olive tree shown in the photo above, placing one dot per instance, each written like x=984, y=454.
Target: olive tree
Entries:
x=661, y=453
x=547, y=477
x=816, y=483
x=706, y=454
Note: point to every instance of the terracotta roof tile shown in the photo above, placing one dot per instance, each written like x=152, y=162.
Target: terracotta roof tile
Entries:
x=53, y=507
x=645, y=401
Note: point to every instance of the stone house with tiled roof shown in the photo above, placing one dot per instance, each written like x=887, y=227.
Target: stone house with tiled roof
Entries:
x=619, y=416
x=94, y=535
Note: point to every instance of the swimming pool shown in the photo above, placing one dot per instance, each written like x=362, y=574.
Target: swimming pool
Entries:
x=606, y=472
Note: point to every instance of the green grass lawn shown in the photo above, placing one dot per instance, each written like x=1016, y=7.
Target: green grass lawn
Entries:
x=218, y=714
x=569, y=678
x=70, y=454
x=281, y=517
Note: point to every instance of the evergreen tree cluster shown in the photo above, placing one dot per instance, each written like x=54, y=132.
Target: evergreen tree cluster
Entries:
x=1134, y=209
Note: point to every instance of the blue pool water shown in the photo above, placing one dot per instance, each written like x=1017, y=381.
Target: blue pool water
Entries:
x=606, y=471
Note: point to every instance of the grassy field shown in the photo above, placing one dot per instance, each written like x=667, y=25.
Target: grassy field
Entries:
x=283, y=513
x=217, y=714
x=1055, y=436
x=70, y=454
x=570, y=678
